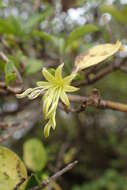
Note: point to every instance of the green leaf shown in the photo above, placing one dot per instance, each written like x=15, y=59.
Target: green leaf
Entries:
x=12, y=169
x=44, y=36
x=24, y=185
x=33, y=21
x=34, y=154
x=36, y=19
x=32, y=65
x=120, y=16
x=9, y=78
x=29, y=183
x=11, y=26
x=17, y=26
x=9, y=73
x=6, y=27
x=80, y=32
x=32, y=182
x=60, y=44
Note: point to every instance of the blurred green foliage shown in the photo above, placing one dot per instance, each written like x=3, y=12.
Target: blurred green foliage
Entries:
x=111, y=180
x=33, y=37
x=119, y=15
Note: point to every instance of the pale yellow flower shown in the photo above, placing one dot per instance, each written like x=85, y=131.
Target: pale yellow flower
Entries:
x=53, y=89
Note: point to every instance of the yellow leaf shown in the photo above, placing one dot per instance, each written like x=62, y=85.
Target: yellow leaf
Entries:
x=12, y=169
x=96, y=55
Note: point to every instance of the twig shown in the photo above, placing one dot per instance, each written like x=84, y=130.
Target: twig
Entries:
x=9, y=89
x=95, y=100
x=113, y=105
x=103, y=72
x=55, y=176
x=15, y=90
x=123, y=68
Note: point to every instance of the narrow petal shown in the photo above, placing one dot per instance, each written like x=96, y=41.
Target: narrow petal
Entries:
x=46, y=106
x=68, y=79
x=52, y=110
x=55, y=101
x=58, y=73
x=69, y=88
x=42, y=83
x=34, y=94
x=48, y=76
x=47, y=101
x=25, y=93
x=53, y=120
x=64, y=98
x=47, y=129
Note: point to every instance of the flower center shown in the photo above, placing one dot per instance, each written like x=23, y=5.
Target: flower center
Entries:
x=59, y=84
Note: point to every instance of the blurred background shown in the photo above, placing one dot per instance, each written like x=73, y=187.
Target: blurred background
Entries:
x=38, y=33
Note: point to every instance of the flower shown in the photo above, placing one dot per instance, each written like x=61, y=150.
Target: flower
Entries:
x=53, y=90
